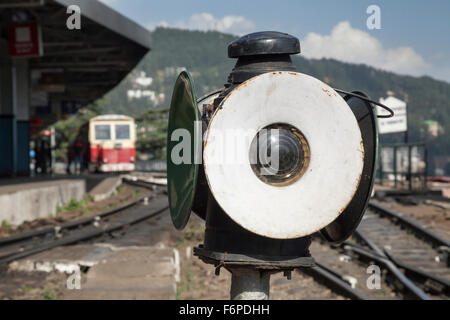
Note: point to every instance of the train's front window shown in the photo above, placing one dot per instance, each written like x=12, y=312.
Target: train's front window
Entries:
x=102, y=132
x=122, y=131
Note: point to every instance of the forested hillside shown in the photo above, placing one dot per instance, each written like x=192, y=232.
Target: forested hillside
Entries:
x=204, y=55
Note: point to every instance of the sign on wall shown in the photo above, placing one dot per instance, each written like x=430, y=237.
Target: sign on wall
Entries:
x=25, y=40
x=399, y=122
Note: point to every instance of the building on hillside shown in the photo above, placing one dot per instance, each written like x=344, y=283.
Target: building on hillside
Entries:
x=434, y=129
x=141, y=89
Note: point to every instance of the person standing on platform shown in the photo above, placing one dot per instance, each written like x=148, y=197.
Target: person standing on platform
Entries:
x=78, y=156
x=70, y=159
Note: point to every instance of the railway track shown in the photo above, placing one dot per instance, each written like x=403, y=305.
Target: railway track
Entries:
x=425, y=233
x=346, y=274
x=321, y=273
x=414, y=259
x=22, y=245
x=409, y=246
x=335, y=281
x=425, y=277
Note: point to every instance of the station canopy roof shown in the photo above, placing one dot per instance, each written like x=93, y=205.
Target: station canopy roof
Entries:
x=93, y=59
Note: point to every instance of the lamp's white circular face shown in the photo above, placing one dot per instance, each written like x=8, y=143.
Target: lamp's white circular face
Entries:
x=283, y=155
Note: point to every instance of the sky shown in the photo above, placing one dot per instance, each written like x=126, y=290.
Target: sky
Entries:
x=411, y=37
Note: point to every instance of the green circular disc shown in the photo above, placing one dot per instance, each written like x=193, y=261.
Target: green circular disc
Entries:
x=183, y=150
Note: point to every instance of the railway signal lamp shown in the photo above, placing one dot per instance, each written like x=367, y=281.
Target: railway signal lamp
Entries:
x=272, y=158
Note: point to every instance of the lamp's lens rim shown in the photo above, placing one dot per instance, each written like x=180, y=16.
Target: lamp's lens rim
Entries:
x=289, y=175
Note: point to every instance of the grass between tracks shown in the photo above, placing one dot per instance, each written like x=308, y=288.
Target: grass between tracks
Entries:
x=192, y=235
x=74, y=210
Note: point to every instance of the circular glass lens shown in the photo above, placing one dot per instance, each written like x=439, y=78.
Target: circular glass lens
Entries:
x=279, y=154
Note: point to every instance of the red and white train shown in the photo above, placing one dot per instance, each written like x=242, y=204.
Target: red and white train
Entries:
x=110, y=143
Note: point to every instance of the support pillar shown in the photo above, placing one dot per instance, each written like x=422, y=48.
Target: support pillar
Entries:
x=7, y=142
x=14, y=114
x=22, y=78
x=249, y=284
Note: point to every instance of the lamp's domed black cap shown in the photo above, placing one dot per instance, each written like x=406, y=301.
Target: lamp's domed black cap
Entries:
x=261, y=43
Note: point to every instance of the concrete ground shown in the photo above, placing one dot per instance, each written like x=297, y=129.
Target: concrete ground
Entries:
x=91, y=179
x=152, y=260
x=107, y=272
x=137, y=262
x=129, y=273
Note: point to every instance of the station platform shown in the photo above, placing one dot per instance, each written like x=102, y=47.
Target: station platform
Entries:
x=29, y=198
x=91, y=180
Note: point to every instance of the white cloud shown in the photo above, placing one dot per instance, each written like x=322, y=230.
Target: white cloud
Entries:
x=109, y=2
x=153, y=25
x=356, y=46
x=207, y=22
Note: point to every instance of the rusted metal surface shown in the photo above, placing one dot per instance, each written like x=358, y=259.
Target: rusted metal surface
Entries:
x=341, y=228
x=224, y=259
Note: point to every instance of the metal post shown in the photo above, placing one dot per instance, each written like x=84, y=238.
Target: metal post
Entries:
x=52, y=149
x=380, y=164
x=409, y=168
x=426, y=167
x=249, y=284
x=395, y=167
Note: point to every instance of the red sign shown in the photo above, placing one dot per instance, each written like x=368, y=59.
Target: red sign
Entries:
x=25, y=40
x=35, y=126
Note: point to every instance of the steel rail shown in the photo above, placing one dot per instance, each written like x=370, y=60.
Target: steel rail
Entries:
x=142, y=183
x=426, y=279
x=411, y=224
x=334, y=280
x=364, y=238
x=411, y=286
x=68, y=225
x=74, y=238
x=381, y=259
